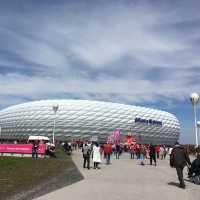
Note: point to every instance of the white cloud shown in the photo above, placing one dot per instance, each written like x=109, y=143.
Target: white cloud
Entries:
x=127, y=89
x=58, y=42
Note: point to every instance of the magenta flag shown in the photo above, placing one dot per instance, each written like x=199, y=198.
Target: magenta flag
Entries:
x=116, y=136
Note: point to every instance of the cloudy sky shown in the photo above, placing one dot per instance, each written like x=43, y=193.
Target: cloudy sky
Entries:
x=130, y=51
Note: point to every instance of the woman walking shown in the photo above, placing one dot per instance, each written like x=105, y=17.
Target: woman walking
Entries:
x=96, y=156
x=142, y=154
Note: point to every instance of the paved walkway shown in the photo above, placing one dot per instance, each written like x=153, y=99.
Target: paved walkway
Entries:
x=126, y=179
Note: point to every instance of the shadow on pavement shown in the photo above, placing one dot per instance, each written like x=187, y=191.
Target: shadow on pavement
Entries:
x=174, y=184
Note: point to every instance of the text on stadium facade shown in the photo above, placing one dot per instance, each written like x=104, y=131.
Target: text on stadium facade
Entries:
x=148, y=121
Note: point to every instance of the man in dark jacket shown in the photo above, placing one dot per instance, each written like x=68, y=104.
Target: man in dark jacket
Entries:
x=179, y=158
x=152, y=154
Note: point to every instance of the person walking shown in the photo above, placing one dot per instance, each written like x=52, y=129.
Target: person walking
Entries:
x=107, y=152
x=162, y=152
x=142, y=154
x=169, y=151
x=165, y=152
x=117, y=150
x=157, y=151
x=96, y=152
x=86, y=155
x=132, y=150
x=179, y=158
x=152, y=154
x=35, y=148
x=137, y=151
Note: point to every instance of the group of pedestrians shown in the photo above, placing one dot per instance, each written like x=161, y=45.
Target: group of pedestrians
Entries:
x=95, y=152
x=144, y=151
x=139, y=151
x=91, y=150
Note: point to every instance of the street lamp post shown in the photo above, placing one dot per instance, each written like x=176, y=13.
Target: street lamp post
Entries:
x=55, y=109
x=194, y=97
x=198, y=125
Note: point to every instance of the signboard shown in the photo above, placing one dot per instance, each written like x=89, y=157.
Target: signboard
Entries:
x=148, y=121
x=20, y=148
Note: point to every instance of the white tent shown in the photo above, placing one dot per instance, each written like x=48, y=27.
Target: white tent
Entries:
x=38, y=137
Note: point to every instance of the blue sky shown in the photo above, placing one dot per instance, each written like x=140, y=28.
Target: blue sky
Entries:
x=132, y=51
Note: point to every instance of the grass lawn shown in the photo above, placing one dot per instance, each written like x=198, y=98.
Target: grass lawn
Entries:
x=21, y=174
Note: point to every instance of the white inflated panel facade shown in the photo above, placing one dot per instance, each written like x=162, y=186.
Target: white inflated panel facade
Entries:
x=79, y=119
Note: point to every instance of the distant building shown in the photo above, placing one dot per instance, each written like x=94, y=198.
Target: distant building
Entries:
x=84, y=119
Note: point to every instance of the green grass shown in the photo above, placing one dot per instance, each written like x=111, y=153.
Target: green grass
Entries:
x=20, y=174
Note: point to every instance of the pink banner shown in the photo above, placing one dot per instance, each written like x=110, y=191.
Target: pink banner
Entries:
x=20, y=148
x=116, y=136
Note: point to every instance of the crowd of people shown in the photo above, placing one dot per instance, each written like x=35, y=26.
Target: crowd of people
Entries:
x=140, y=152
x=178, y=155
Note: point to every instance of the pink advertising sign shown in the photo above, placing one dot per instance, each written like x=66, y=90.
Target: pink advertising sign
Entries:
x=20, y=148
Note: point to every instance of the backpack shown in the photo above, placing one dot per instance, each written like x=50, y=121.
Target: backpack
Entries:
x=86, y=151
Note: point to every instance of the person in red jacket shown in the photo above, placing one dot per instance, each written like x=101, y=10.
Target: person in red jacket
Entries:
x=158, y=151
x=132, y=150
x=107, y=152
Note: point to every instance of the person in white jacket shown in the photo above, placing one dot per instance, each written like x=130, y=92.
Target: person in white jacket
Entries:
x=96, y=156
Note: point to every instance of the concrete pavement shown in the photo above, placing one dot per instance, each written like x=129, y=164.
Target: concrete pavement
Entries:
x=126, y=179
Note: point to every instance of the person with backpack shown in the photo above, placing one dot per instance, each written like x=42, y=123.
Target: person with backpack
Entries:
x=86, y=150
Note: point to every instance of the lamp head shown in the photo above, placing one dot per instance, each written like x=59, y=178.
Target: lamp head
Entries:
x=198, y=124
x=194, y=98
x=55, y=107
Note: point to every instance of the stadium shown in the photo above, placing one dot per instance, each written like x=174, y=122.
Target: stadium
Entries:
x=83, y=119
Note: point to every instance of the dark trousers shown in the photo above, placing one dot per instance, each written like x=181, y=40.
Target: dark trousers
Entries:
x=152, y=158
x=117, y=154
x=179, y=171
x=107, y=158
x=96, y=165
x=132, y=155
x=34, y=154
x=138, y=155
x=86, y=161
x=158, y=155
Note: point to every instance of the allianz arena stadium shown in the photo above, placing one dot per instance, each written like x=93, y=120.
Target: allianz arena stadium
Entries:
x=83, y=119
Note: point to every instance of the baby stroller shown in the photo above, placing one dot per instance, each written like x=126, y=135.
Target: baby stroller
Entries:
x=194, y=171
